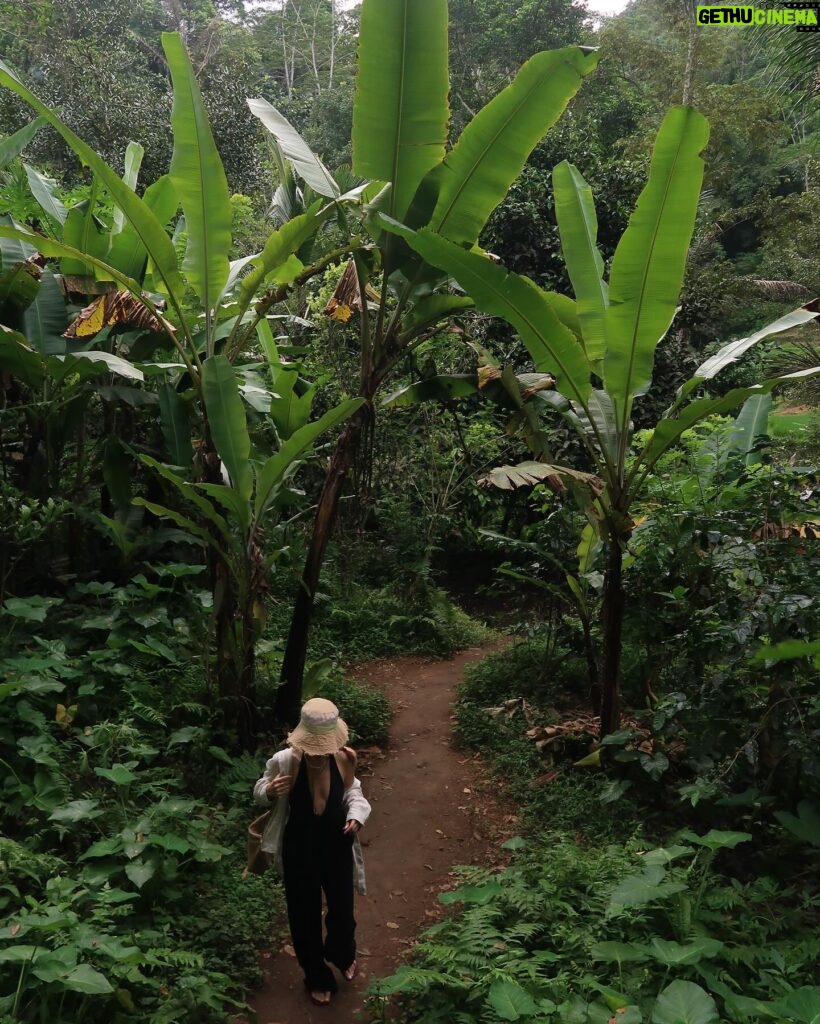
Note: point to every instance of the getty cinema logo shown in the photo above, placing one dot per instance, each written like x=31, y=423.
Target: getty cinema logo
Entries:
x=804, y=15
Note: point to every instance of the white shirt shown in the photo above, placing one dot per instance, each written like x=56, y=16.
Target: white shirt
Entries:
x=357, y=809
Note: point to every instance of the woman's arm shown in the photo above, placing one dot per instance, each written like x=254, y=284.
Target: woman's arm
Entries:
x=264, y=790
x=357, y=807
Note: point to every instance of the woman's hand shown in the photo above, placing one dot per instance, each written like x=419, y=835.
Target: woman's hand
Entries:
x=352, y=826
x=280, y=786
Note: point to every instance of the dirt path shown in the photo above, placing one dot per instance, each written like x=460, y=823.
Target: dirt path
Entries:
x=430, y=812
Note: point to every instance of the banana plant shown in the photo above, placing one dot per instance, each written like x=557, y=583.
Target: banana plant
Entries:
x=600, y=347
x=199, y=306
x=400, y=135
x=233, y=515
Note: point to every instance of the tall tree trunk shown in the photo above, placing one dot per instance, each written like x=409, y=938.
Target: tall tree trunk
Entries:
x=691, y=59
x=612, y=623
x=289, y=697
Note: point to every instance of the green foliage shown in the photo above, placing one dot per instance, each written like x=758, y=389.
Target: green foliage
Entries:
x=567, y=933
x=365, y=710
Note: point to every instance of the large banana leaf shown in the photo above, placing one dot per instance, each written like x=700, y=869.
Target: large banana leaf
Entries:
x=14, y=145
x=493, y=148
x=227, y=423
x=281, y=244
x=751, y=424
x=400, y=111
x=192, y=494
x=199, y=178
x=151, y=233
x=648, y=266
x=82, y=231
x=578, y=227
x=174, y=423
x=294, y=149
x=516, y=299
x=44, y=191
x=45, y=319
x=735, y=349
x=128, y=253
x=274, y=470
x=134, y=153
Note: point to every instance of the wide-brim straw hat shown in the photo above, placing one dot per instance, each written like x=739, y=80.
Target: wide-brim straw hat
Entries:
x=320, y=730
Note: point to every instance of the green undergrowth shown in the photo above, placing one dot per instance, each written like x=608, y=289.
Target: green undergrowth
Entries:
x=586, y=934
x=366, y=711
x=359, y=621
x=606, y=912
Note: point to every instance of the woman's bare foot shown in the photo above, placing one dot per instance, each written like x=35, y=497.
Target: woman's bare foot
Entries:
x=351, y=972
x=320, y=998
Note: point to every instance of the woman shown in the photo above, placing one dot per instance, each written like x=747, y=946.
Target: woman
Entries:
x=313, y=837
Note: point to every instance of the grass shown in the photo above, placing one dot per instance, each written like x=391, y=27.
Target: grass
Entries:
x=791, y=424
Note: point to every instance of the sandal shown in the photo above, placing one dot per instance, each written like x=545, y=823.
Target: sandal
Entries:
x=320, y=998
x=351, y=972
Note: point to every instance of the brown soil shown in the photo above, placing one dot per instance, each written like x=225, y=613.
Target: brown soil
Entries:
x=431, y=811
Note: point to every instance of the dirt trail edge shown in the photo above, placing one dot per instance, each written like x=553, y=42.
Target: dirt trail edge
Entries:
x=430, y=812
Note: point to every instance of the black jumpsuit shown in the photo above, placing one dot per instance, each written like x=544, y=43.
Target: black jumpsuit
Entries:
x=316, y=856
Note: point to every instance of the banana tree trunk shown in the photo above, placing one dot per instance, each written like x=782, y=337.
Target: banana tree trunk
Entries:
x=289, y=697
x=612, y=626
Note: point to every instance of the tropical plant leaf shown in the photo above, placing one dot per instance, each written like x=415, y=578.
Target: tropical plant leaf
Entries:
x=46, y=318
x=649, y=262
x=476, y=174
x=281, y=244
x=676, y=953
x=443, y=388
x=471, y=893
x=199, y=179
x=76, y=810
x=115, y=364
x=140, y=872
x=552, y=346
x=527, y=474
x=668, y=431
x=715, y=839
x=273, y=471
x=578, y=228
x=227, y=422
x=128, y=253
x=430, y=310
x=683, y=1002
x=134, y=153
x=801, y=1005
x=751, y=424
x=510, y=1001
x=82, y=231
x=400, y=111
x=806, y=825
x=12, y=146
x=44, y=191
x=618, y=952
x=151, y=232
x=294, y=149
x=18, y=359
x=735, y=349
x=640, y=890
x=174, y=424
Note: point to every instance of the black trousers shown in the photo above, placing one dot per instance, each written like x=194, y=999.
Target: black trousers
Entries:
x=309, y=870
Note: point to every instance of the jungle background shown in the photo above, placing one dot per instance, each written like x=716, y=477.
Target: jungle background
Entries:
x=668, y=867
